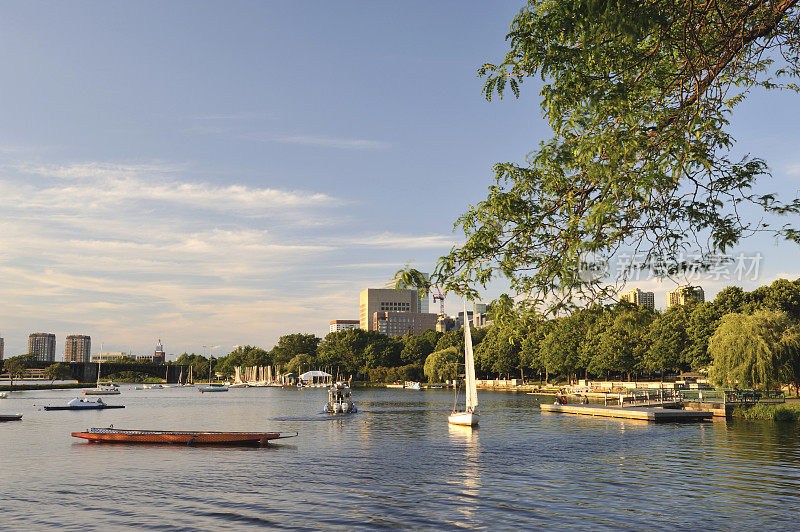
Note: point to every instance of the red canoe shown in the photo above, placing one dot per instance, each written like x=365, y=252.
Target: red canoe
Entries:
x=188, y=437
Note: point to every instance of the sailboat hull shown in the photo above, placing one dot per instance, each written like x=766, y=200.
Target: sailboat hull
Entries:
x=469, y=419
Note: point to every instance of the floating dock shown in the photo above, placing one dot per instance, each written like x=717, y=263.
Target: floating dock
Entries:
x=630, y=412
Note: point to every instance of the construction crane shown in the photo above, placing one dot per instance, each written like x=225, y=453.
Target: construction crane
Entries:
x=439, y=297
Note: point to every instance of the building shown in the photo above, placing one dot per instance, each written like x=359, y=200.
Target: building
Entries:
x=158, y=356
x=2, y=348
x=110, y=356
x=685, y=294
x=423, y=299
x=637, y=297
x=43, y=345
x=445, y=323
x=374, y=300
x=78, y=348
x=343, y=325
x=394, y=323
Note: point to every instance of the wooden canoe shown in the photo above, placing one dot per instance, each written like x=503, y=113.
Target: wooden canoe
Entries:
x=186, y=437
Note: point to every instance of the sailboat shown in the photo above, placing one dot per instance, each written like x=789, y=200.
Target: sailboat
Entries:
x=469, y=416
x=102, y=389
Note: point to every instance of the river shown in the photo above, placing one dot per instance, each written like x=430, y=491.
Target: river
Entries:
x=395, y=464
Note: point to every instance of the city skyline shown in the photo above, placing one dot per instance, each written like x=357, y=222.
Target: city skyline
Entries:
x=216, y=174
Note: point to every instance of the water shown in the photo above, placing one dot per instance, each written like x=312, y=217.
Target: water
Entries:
x=395, y=464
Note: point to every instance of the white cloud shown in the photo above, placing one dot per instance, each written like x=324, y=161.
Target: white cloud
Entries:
x=398, y=241
x=329, y=142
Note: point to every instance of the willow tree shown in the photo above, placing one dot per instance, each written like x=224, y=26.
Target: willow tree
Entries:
x=750, y=350
x=639, y=94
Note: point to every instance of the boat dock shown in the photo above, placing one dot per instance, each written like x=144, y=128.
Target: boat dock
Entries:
x=630, y=412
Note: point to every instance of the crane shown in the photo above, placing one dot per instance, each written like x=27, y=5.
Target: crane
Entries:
x=439, y=297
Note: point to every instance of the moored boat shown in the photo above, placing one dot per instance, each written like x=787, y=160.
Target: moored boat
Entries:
x=84, y=404
x=212, y=388
x=3, y=395
x=10, y=417
x=187, y=437
x=103, y=389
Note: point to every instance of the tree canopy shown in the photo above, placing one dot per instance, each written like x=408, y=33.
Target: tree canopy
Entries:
x=639, y=95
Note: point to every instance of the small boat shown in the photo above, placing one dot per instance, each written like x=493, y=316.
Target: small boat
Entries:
x=212, y=388
x=3, y=395
x=187, y=437
x=152, y=386
x=339, y=401
x=469, y=416
x=395, y=385
x=10, y=417
x=102, y=389
x=412, y=385
x=84, y=404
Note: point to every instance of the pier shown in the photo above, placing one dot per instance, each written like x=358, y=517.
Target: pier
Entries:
x=630, y=412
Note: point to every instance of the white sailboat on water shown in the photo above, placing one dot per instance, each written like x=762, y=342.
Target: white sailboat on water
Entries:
x=469, y=416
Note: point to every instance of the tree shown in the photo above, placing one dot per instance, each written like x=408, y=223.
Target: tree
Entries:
x=417, y=348
x=58, y=371
x=18, y=366
x=639, y=96
x=300, y=362
x=294, y=344
x=747, y=350
x=667, y=341
x=441, y=366
x=790, y=345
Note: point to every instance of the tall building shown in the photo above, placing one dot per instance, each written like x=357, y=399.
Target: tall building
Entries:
x=637, y=297
x=423, y=299
x=374, y=300
x=2, y=348
x=684, y=294
x=343, y=325
x=78, y=348
x=158, y=356
x=43, y=345
x=399, y=323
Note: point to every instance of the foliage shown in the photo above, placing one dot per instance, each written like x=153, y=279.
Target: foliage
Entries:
x=788, y=412
x=58, y=371
x=294, y=344
x=746, y=349
x=639, y=95
x=299, y=364
x=442, y=366
x=18, y=366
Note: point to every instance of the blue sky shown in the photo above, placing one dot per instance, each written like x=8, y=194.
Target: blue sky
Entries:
x=222, y=173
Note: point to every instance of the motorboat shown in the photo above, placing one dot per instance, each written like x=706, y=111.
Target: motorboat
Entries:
x=84, y=404
x=203, y=388
x=339, y=400
x=412, y=385
x=187, y=437
x=10, y=417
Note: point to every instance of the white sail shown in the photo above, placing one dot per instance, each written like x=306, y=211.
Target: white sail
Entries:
x=469, y=362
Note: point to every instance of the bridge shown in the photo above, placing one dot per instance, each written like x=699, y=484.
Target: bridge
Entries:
x=87, y=371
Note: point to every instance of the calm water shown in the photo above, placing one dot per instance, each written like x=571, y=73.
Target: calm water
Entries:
x=395, y=464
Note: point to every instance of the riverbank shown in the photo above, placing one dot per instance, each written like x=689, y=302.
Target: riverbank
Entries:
x=780, y=412
x=60, y=386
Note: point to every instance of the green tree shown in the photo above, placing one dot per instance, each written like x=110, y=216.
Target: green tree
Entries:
x=58, y=371
x=639, y=96
x=790, y=346
x=417, y=348
x=667, y=341
x=441, y=366
x=294, y=344
x=747, y=349
x=18, y=366
x=702, y=322
x=300, y=363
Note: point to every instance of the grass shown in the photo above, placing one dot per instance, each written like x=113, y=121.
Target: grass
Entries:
x=787, y=412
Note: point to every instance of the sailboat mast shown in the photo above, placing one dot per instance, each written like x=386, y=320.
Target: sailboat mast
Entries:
x=469, y=363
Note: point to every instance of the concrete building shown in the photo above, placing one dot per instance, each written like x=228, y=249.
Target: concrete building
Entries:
x=374, y=300
x=423, y=299
x=637, y=297
x=78, y=348
x=158, y=356
x=2, y=348
x=445, y=323
x=110, y=356
x=343, y=325
x=394, y=323
x=43, y=345
x=684, y=294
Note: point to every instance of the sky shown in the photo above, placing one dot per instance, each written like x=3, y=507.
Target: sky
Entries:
x=223, y=173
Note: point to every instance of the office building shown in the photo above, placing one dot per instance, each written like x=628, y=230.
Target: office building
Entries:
x=43, y=345
x=343, y=325
x=423, y=299
x=637, y=297
x=158, y=356
x=393, y=323
x=110, y=356
x=2, y=348
x=374, y=300
x=685, y=294
x=78, y=348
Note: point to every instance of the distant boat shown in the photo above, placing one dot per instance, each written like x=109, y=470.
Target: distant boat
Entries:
x=412, y=385
x=102, y=389
x=188, y=437
x=84, y=404
x=3, y=395
x=10, y=417
x=395, y=385
x=212, y=388
x=469, y=416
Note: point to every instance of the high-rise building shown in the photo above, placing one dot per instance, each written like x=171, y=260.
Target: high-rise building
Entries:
x=684, y=294
x=78, y=348
x=343, y=325
x=2, y=348
x=399, y=323
x=43, y=345
x=423, y=299
x=637, y=297
x=374, y=300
